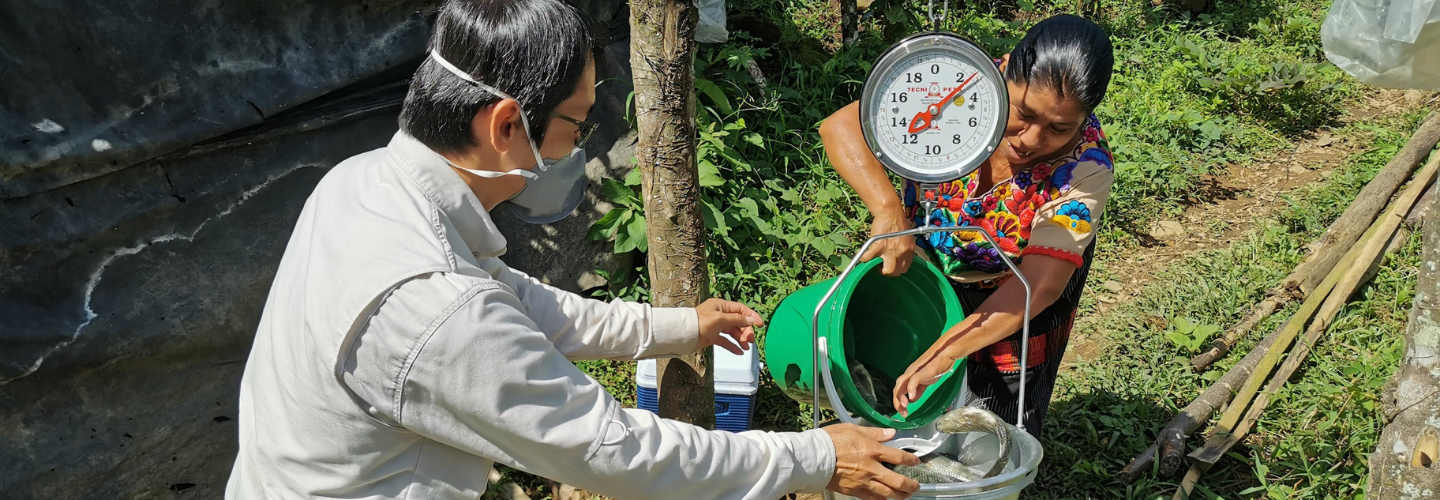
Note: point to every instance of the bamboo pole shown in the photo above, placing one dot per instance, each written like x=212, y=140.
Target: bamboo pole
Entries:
x=1218, y=349
x=1376, y=239
x=1375, y=195
x=1342, y=234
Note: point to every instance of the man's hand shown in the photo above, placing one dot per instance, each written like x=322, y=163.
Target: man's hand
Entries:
x=733, y=319
x=897, y=252
x=858, y=469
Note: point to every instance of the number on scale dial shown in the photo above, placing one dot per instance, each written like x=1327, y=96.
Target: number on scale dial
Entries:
x=917, y=124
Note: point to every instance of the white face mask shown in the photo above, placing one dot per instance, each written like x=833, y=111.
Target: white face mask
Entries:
x=545, y=199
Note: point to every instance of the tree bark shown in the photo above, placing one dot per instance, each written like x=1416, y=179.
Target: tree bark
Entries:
x=849, y=32
x=662, y=56
x=1339, y=237
x=1412, y=398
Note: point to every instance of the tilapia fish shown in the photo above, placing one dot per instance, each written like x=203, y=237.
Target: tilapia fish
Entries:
x=973, y=419
x=937, y=469
x=874, y=387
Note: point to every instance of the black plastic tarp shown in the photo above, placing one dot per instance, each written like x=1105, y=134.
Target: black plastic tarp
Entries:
x=155, y=156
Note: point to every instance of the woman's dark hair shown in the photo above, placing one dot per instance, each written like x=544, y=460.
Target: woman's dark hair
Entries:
x=534, y=50
x=1066, y=54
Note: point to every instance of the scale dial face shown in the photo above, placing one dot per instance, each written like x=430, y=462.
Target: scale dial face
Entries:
x=934, y=108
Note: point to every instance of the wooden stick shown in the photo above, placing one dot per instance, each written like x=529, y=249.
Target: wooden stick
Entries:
x=1138, y=465
x=1397, y=241
x=1348, y=273
x=1342, y=234
x=1192, y=477
x=1173, y=435
x=1257, y=314
x=1194, y=416
x=1376, y=239
x=1282, y=344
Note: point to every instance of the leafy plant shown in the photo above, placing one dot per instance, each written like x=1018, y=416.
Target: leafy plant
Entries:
x=1273, y=91
x=1189, y=335
x=625, y=223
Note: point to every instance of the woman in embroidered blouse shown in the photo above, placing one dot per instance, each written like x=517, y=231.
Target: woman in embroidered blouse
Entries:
x=1038, y=195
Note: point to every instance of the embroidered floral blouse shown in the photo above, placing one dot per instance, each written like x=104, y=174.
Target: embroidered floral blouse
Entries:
x=1047, y=209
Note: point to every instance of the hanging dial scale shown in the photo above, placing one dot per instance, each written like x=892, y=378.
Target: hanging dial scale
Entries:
x=934, y=108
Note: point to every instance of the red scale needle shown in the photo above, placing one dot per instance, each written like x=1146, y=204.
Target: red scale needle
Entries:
x=924, y=118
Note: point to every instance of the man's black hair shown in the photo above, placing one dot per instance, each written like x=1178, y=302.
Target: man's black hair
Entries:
x=1068, y=55
x=534, y=50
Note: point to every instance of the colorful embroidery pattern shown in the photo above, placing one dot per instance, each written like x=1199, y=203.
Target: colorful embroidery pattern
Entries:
x=1074, y=215
x=1008, y=211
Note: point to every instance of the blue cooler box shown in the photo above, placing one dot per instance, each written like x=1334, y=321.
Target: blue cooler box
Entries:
x=737, y=378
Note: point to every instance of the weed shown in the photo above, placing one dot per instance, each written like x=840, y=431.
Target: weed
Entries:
x=1189, y=335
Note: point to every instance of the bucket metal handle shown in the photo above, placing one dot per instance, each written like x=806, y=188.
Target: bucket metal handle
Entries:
x=822, y=344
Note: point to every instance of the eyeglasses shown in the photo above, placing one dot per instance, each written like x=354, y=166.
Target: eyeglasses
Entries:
x=586, y=128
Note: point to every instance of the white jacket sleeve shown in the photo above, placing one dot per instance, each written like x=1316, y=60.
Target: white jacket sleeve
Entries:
x=583, y=328
x=483, y=379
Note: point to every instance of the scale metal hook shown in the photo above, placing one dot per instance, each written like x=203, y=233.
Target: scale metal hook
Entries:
x=934, y=19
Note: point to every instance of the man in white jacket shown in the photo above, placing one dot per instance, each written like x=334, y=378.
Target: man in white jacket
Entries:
x=398, y=357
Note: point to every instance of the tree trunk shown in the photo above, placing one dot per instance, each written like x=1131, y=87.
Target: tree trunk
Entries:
x=1403, y=464
x=662, y=56
x=848, y=29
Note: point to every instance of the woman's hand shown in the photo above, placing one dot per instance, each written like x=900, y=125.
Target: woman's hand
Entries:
x=720, y=318
x=851, y=157
x=897, y=252
x=926, y=370
x=998, y=317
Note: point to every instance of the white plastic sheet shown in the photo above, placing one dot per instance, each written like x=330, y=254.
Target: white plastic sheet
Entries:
x=711, y=28
x=1385, y=43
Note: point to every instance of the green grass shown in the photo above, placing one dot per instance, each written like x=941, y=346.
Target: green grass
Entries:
x=1191, y=95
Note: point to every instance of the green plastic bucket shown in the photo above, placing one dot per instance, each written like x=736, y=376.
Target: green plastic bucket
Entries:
x=892, y=320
